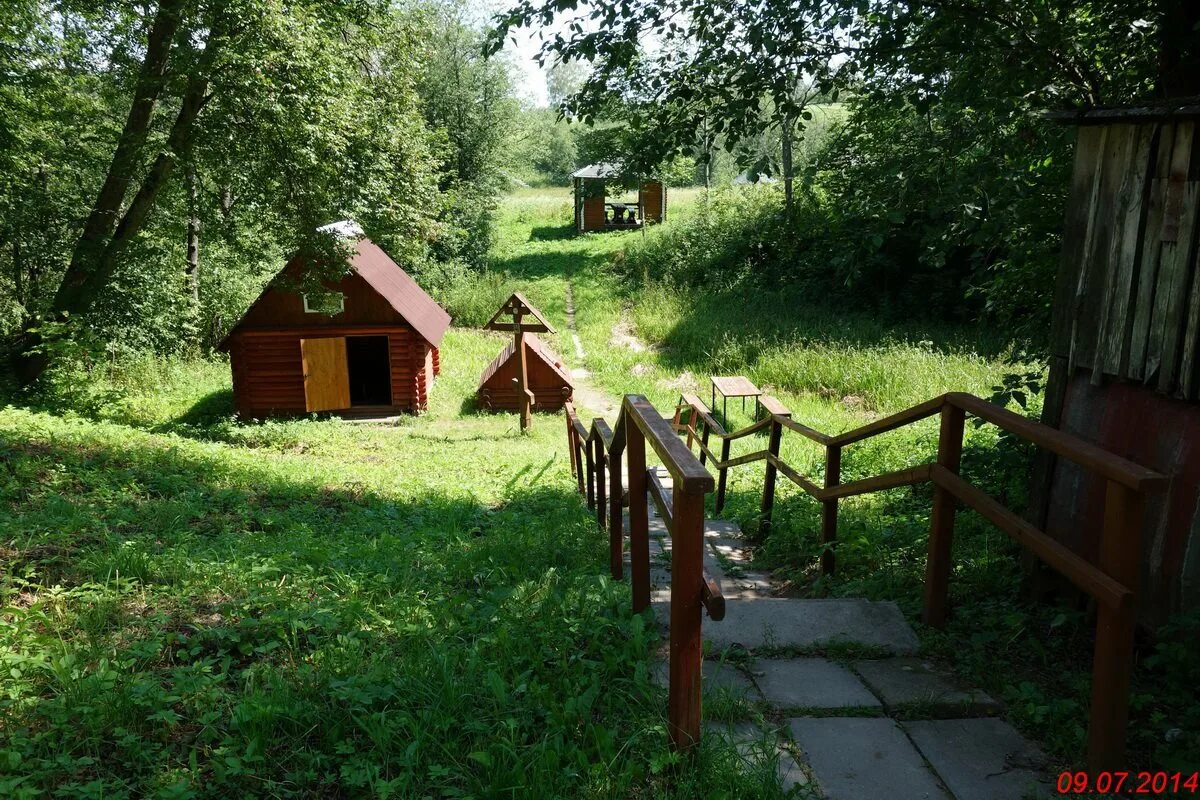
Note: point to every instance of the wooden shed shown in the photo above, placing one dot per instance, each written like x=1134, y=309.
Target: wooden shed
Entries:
x=593, y=212
x=1125, y=339
x=548, y=379
x=365, y=343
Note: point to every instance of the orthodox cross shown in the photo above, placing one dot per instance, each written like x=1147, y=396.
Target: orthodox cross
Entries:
x=524, y=319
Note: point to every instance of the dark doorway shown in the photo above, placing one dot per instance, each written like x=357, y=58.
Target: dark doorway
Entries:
x=370, y=370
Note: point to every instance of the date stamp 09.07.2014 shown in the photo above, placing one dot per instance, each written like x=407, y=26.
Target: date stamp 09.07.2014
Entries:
x=1152, y=784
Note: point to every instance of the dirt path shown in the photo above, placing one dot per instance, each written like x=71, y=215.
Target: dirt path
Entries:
x=586, y=395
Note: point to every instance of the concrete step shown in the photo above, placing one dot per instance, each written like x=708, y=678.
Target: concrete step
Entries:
x=806, y=625
x=864, y=758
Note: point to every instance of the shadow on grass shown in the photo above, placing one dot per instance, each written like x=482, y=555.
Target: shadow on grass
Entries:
x=551, y=233
x=748, y=319
x=212, y=407
x=329, y=635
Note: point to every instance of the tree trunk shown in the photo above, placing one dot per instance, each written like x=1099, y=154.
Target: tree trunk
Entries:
x=192, y=268
x=71, y=295
x=1179, y=48
x=787, y=163
x=178, y=144
x=19, y=272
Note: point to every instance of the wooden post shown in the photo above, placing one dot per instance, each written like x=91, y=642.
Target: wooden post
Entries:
x=591, y=474
x=768, y=498
x=829, y=510
x=941, y=520
x=601, y=500
x=703, y=441
x=577, y=446
x=1121, y=558
x=687, y=575
x=639, y=517
x=722, y=474
x=571, y=440
x=522, y=375
x=616, y=534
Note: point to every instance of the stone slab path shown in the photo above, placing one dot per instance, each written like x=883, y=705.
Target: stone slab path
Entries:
x=834, y=692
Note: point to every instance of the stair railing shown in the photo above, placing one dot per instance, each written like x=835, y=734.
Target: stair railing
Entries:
x=1112, y=583
x=596, y=458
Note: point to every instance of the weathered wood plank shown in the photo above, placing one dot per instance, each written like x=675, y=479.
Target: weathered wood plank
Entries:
x=1151, y=252
x=1189, y=378
x=1088, y=144
x=1101, y=256
x=1093, y=268
x=1125, y=255
x=1179, y=217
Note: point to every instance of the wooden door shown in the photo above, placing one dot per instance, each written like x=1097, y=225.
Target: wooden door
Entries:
x=326, y=376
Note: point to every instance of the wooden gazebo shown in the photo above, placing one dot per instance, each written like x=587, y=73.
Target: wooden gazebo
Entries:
x=593, y=212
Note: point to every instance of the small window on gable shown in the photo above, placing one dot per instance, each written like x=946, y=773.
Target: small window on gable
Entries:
x=324, y=303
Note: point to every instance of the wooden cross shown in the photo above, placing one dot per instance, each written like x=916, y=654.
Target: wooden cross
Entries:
x=520, y=310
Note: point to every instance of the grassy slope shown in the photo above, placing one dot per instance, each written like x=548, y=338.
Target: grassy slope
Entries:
x=835, y=371
x=197, y=607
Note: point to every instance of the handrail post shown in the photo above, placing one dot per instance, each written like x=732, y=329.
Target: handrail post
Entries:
x=577, y=454
x=1121, y=558
x=591, y=474
x=687, y=577
x=616, y=534
x=571, y=439
x=639, y=517
x=768, y=498
x=722, y=476
x=829, y=510
x=703, y=439
x=601, y=500
x=941, y=520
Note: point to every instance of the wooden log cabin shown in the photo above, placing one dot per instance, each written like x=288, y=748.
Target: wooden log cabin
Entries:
x=548, y=379
x=367, y=343
x=1125, y=340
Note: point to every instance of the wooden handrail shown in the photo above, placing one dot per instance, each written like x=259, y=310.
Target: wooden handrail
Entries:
x=1112, y=582
x=713, y=599
x=1078, y=570
x=596, y=459
x=1085, y=454
x=658, y=493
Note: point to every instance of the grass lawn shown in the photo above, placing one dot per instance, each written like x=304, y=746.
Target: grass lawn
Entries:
x=197, y=607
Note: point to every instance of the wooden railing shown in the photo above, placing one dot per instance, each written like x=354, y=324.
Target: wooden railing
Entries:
x=596, y=457
x=1112, y=583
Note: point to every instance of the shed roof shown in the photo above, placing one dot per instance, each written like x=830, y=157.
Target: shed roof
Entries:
x=388, y=279
x=401, y=291
x=538, y=348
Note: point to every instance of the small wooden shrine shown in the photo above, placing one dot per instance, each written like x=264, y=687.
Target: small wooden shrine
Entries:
x=593, y=212
x=367, y=343
x=526, y=375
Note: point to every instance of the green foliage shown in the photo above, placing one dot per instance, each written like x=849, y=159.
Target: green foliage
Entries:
x=466, y=101
x=899, y=215
x=311, y=112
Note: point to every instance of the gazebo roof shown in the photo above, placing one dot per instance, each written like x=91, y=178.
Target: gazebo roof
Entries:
x=605, y=169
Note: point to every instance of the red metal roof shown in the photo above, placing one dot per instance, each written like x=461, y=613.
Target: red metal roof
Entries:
x=392, y=283
x=401, y=291
x=536, y=347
